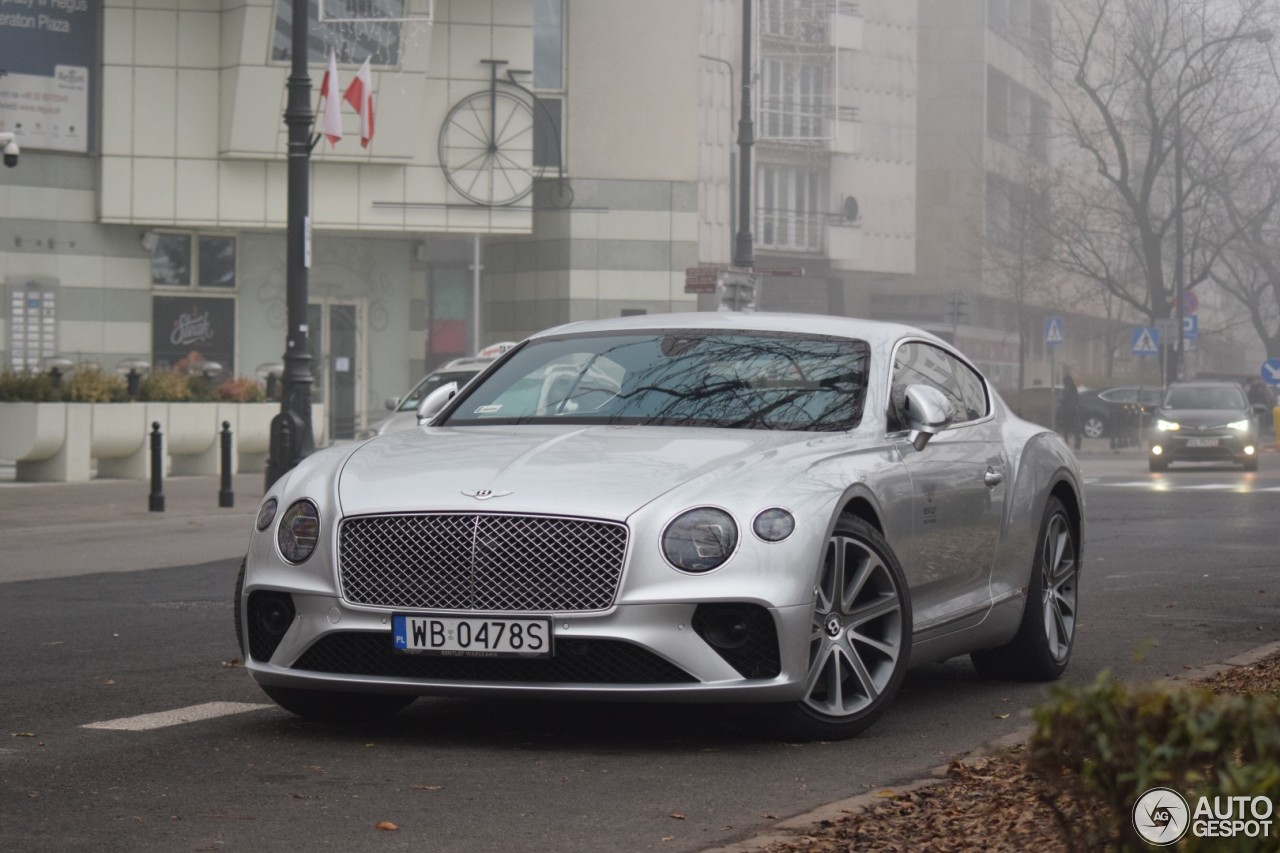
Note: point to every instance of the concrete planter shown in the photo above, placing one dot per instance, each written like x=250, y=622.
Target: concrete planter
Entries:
x=60, y=442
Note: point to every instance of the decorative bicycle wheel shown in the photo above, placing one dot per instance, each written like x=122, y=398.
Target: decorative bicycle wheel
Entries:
x=486, y=148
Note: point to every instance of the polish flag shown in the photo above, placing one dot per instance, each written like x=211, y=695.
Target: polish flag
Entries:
x=360, y=96
x=332, y=123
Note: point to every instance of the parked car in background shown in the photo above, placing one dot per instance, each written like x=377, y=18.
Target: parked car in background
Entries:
x=1116, y=412
x=460, y=370
x=779, y=510
x=1039, y=404
x=1204, y=421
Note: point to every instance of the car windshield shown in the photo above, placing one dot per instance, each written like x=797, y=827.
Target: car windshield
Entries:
x=433, y=381
x=737, y=379
x=1205, y=397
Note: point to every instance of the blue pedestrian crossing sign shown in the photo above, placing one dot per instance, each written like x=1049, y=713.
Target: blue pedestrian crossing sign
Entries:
x=1146, y=340
x=1053, y=330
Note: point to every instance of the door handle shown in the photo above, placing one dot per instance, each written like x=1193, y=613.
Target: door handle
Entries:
x=992, y=478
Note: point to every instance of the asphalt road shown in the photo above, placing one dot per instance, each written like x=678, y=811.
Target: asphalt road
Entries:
x=1180, y=571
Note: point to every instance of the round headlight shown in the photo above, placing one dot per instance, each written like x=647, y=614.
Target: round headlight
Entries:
x=299, y=531
x=700, y=539
x=774, y=524
x=267, y=514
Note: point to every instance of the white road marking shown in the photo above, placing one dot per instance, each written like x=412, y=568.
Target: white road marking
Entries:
x=1162, y=485
x=162, y=719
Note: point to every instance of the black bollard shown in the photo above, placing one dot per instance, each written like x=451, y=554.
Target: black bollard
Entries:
x=156, y=500
x=226, y=497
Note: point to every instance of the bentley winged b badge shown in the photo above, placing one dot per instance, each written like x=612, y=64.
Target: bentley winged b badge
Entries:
x=485, y=494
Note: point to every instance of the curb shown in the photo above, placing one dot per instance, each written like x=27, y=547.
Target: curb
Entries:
x=800, y=825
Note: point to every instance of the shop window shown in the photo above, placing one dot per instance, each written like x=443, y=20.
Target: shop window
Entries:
x=193, y=260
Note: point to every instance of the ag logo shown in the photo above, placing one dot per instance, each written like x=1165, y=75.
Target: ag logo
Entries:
x=1161, y=816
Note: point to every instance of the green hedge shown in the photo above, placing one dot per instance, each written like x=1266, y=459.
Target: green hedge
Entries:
x=1106, y=743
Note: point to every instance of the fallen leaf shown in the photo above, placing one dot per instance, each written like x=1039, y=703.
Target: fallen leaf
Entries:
x=677, y=816
x=387, y=826
x=668, y=838
x=885, y=794
x=1001, y=716
x=234, y=662
x=22, y=734
x=427, y=787
x=369, y=745
x=109, y=681
x=315, y=768
x=60, y=642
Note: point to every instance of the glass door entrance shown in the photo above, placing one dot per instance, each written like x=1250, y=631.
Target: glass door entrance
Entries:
x=337, y=344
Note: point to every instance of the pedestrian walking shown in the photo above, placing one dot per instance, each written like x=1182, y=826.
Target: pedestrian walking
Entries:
x=1070, y=417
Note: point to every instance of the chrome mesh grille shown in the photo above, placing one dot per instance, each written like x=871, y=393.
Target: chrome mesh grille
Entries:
x=484, y=562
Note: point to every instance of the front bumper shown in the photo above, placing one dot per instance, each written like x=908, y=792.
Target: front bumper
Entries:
x=634, y=652
x=1205, y=446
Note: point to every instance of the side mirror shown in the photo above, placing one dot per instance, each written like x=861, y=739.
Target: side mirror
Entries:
x=434, y=402
x=929, y=412
x=391, y=403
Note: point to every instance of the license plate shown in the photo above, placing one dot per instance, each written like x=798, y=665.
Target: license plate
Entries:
x=1202, y=442
x=472, y=636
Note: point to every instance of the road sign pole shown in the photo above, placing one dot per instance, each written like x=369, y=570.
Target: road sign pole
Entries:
x=1053, y=393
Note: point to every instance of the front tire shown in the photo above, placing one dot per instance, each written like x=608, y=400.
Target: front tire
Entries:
x=1094, y=427
x=1156, y=464
x=1250, y=464
x=332, y=706
x=1042, y=647
x=859, y=641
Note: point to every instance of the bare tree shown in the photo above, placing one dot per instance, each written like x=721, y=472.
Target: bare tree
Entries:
x=1130, y=76
x=1249, y=271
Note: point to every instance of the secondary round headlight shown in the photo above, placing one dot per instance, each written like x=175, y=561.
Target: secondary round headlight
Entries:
x=700, y=539
x=299, y=531
x=774, y=524
x=267, y=514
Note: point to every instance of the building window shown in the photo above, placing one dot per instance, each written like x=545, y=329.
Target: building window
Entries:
x=788, y=208
x=997, y=104
x=1017, y=116
x=548, y=81
x=803, y=20
x=548, y=44
x=353, y=41
x=793, y=100
x=186, y=260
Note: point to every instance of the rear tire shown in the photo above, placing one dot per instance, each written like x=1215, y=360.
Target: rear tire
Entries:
x=1042, y=647
x=333, y=706
x=1093, y=427
x=859, y=641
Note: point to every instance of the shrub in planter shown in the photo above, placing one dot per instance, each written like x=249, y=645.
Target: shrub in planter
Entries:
x=240, y=389
x=1107, y=743
x=92, y=385
x=27, y=387
x=166, y=386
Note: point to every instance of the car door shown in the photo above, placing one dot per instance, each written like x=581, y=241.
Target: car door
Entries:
x=958, y=487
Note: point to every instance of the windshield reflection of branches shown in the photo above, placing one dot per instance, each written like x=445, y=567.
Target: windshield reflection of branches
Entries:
x=744, y=381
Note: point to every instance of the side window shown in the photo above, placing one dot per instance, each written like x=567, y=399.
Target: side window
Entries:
x=922, y=364
x=972, y=389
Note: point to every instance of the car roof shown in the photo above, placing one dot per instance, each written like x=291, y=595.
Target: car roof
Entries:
x=872, y=331
x=1205, y=383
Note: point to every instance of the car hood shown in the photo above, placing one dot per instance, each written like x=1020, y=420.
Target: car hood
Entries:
x=1204, y=417
x=598, y=471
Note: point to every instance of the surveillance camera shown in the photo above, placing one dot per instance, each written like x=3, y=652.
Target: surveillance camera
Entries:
x=11, y=150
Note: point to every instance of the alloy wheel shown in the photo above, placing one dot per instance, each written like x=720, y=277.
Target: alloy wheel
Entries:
x=1059, y=572
x=857, y=634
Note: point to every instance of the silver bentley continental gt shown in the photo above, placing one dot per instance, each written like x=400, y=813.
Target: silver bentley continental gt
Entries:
x=706, y=507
